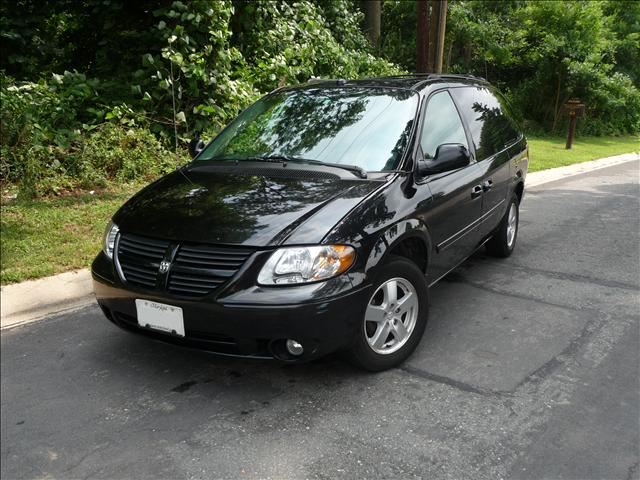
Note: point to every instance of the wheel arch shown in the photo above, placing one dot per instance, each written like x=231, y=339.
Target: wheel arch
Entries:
x=408, y=238
x=519, y=190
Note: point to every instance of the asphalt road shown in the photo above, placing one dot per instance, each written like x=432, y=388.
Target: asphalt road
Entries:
x=528, y=369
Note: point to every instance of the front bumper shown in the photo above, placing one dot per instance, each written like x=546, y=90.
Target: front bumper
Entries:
x=321, y=325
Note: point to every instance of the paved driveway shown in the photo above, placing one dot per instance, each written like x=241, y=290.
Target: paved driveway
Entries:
x=528, y=369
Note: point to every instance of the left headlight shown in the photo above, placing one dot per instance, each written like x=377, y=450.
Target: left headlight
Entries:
x=109, y=241
x=306, y=264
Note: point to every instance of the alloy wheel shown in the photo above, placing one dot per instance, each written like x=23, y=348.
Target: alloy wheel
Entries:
x=391, y=316
x=512, y=225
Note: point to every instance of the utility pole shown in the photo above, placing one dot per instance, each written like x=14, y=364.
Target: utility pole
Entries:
x=432, y=22
x=440, y=13
x=372, y=13
x=422, y=37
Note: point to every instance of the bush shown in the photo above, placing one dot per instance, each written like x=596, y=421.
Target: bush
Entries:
x=118, y=153
x=46, y=146
x=211, y=58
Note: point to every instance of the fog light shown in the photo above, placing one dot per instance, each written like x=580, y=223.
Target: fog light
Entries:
x=294, y=348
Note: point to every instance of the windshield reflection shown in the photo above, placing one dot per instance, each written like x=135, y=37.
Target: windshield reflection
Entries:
x=353, y=126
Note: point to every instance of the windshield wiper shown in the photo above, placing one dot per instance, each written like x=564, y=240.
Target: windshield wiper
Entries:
x=268, y=158
x=358, y=171
x=284, y=159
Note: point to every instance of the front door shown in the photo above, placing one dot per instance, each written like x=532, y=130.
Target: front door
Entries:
x=455, y=208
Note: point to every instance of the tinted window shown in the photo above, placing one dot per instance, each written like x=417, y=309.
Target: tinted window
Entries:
x=358, y=126
x=442, y=124
x=490, y=126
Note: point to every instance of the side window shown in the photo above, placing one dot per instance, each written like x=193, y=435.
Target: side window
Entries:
x=442, y=124
x=490, y=126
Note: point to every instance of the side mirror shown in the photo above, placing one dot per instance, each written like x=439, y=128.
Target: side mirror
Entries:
x=196, y=146
x=449, y=156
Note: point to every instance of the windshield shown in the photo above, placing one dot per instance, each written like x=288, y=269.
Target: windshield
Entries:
x=365, y=127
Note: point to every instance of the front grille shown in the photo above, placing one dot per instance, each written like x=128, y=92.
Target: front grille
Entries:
x=200, y=269
x=195, y=270
x=139, y=259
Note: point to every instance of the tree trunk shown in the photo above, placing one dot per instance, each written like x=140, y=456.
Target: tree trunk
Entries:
x=422, y=36
x=372, y=14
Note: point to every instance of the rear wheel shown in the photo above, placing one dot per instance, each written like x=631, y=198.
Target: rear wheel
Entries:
x=395, y=317
x=504, y=240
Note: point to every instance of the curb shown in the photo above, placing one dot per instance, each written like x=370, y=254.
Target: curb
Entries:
x=553, y=174
x=35, y=300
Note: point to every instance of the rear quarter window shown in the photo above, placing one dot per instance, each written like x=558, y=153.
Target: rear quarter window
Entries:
x=488, y=118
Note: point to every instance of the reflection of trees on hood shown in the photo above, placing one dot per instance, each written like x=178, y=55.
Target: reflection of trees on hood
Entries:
x=203, y=200
x=235, y=203
x=270, y=196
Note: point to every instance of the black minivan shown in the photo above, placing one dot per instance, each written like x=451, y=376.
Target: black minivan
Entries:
x=317, y=220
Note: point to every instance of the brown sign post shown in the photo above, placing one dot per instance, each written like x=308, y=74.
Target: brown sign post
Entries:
x=574, y=109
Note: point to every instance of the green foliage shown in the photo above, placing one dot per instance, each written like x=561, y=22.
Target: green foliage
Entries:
x=212, y=58
x=47, y=236
x=79, y=64
x=289, y=43
x=209, y=74
x=541, y=53
x=398, y=35
x=52, y=138
x=550, y=152
x=123, y=154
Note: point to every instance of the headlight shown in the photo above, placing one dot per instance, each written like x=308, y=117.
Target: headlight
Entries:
x=110, y=239
x=306, y=264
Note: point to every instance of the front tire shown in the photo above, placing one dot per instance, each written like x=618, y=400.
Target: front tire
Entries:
x=395, y=317
x=504, y=240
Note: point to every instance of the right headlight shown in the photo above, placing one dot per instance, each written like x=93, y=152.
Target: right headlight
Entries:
x=109, y=241
x=297, y=265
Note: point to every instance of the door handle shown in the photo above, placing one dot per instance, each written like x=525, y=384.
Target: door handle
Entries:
x=476, y=191
x=486, y=186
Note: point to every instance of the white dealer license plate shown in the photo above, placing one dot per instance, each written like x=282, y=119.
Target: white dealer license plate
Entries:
x=159, y=316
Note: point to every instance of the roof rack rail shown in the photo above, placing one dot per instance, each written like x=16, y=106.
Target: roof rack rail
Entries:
x=430, y=76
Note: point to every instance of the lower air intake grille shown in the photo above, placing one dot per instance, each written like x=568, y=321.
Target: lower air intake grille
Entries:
x=199, y=269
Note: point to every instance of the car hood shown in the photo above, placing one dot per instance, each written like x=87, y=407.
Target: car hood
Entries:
x=207, y=205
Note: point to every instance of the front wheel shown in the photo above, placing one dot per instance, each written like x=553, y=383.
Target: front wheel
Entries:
x=504, y=239
x=394, y=319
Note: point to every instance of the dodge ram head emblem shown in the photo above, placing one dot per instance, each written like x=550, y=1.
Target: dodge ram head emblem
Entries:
x=164, y=266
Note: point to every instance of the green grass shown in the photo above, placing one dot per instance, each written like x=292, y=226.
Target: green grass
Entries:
x=44, y=237
x=549, y=152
